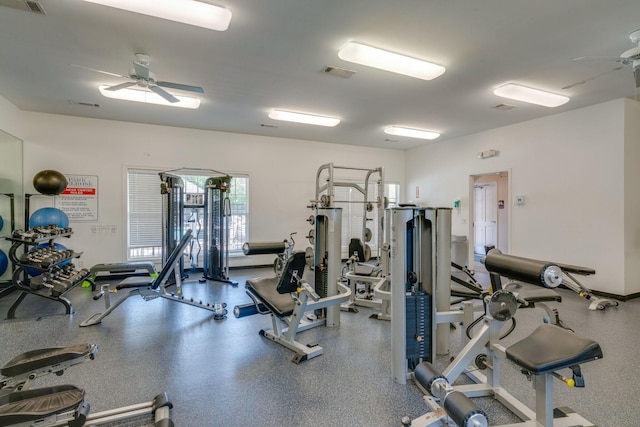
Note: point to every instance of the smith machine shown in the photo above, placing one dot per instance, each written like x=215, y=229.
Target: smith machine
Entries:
x=206, y=211
x=360, y=194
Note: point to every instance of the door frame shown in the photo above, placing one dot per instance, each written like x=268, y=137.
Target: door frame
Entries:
x=500, y=224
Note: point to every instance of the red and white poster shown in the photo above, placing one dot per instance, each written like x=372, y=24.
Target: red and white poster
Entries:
x=80, y=200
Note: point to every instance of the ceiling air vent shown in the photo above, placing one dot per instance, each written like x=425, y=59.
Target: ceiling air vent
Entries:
x=26, y=5
x=339, y=72
x=503, y=107
x=84, y=104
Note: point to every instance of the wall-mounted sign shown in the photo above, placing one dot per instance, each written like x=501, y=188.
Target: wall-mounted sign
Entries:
x=80, y=200
x=500, y=204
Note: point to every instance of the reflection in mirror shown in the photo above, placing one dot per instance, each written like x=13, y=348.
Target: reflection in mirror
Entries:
x=11, y=197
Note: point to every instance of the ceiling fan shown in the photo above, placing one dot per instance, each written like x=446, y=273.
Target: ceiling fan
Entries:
x=630, y=57
x=141, y=76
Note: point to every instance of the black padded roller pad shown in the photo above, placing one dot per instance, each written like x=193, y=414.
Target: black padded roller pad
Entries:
x=517, y=268
x=262, y=248
x=550, y=348
x=425, y=374
x=461, y=409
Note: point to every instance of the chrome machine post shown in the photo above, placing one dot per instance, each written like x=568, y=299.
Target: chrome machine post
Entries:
x=328, y=258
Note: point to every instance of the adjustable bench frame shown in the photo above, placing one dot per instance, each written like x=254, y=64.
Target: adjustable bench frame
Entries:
x=300, y=317
x=151, y=288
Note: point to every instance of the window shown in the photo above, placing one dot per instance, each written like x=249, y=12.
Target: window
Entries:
x=353, y=208
x=145, y=207
x=239, y=220
x=144, y=213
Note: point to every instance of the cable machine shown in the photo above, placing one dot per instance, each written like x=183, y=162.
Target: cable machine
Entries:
x=205, y=212
x=420, y=247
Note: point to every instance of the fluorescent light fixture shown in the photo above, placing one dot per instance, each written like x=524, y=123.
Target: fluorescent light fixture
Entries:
x=146, y=96
x=185, y=11
x=389, y=61
x=533, y=96
x=309, y=119
x=411, y=132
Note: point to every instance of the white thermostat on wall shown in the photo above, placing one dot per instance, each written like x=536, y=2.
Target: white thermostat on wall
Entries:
x=519, y=200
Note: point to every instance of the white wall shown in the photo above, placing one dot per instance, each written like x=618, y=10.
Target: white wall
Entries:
x=282, y=172
x=570, y=168
x=632, y=196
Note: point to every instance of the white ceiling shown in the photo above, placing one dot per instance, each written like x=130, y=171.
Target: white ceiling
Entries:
x=274, y=52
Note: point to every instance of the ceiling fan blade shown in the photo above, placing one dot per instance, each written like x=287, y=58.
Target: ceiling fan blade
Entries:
x=581, y=82
x=601, y=58
x=180, y=86
x=120, y=86
x=142, y=70
x=163, y=93
x=99, y=71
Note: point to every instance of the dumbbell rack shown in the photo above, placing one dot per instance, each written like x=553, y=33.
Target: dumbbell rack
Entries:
x=55, y=279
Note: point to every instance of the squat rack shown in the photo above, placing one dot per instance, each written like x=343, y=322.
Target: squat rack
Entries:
x=325, y=197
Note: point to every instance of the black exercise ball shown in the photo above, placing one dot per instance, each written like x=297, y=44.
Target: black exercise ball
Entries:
x=49, y=182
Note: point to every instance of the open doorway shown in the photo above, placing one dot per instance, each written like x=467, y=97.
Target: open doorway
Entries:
x=489, y=214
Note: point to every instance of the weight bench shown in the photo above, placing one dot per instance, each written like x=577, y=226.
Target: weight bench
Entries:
x=120, y=270
x=288, y=299
x=151, y=288
x=61, y=405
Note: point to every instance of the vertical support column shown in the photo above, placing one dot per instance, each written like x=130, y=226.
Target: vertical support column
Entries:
x=399, y=217
x=442, y=289
x=334, y=268
x=328, y=251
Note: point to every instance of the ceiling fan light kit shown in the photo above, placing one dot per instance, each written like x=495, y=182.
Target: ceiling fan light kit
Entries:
x=411, y=132
x=145, y=95
x=530, y=95
x=389, y=61
x=309, y=119
x=189, y=12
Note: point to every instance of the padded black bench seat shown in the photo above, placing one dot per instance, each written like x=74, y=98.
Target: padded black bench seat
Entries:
x=265, y=288
x=37, y=359
x=31, y=405
x=550, y=348
x=534, y=294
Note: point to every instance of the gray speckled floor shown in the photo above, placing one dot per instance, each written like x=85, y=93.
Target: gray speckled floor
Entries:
x=222, y=373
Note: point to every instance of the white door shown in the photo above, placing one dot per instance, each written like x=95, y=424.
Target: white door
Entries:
x=486, y=216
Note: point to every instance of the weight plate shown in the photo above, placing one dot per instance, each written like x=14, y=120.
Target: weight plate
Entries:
x=502, y=305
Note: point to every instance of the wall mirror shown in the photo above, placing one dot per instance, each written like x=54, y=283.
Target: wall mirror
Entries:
x=11, y=197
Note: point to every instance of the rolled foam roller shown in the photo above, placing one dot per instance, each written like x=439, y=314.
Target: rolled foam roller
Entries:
x=426, y=375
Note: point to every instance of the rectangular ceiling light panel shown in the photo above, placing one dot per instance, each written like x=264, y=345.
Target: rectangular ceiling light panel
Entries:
x=532, y=96
x=411, y=132
x=309, y=119
x=389, y=61
x=146, y=96
x=185, y=11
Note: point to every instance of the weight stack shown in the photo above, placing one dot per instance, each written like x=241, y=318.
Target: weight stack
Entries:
x=418, y=326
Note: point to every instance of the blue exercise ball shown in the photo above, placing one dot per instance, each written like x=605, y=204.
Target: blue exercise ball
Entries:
x=48, y=216
x=4, y=262
x=33, y=272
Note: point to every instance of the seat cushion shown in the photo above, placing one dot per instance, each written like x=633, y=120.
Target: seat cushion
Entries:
x=37, y=359
x=264, y=289
x=550, y=348
x=29, y=405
